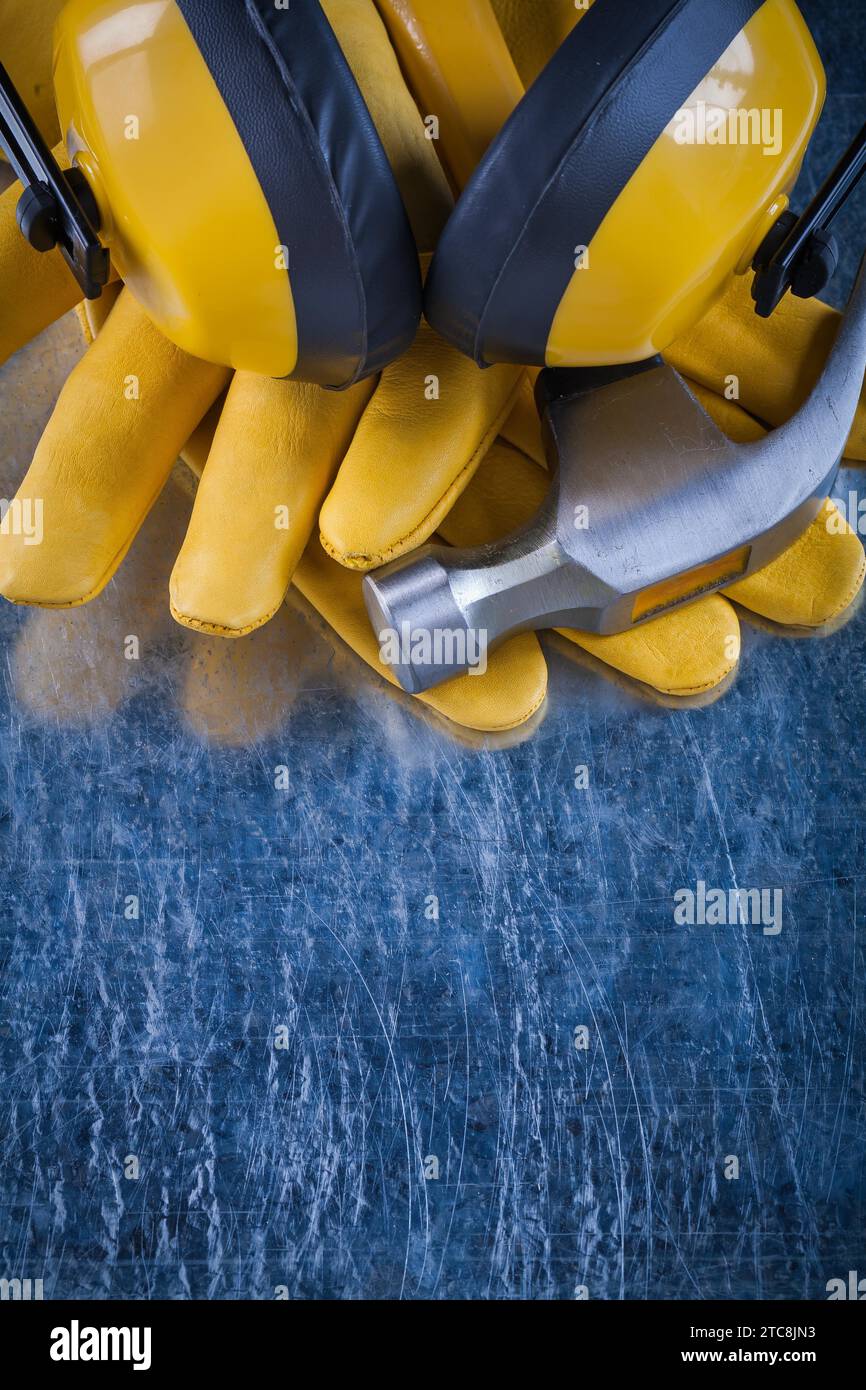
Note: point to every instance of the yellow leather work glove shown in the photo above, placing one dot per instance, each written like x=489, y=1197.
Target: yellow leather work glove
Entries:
x=375, y=512
x=278, y=444
x=129, y=406
x=681, y=653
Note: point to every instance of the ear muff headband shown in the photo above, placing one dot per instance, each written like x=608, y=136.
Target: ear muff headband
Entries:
x=296, y=105
x=559, y=164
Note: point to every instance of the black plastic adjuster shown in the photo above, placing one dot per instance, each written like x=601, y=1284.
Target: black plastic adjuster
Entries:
x=800, y=254
x=57, y=208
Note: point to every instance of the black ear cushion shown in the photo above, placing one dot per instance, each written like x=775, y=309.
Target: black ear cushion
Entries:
x=559, y=164
x=296, y=105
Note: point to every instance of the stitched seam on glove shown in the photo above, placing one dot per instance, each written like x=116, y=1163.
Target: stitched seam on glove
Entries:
x=107, y=574
x=685, y=692
x=861, y=573
x=219, y=629
x=677, y=692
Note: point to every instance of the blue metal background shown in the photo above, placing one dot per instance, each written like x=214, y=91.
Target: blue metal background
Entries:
x=409, y=1037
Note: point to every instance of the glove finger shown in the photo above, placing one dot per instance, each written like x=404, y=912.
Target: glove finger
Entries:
x=35, y=289
x=533, y=32
x=813, y=581
x=276, y=448
x=509, y=692
x=93, y=315
x=775, y=361
x=461, y=71
x=817, y=577
x=420, y=177
x=120, y=421
x=428, y=425
x=686, y=652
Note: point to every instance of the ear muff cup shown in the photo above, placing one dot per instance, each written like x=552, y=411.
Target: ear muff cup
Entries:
x=353, y=264
x=558, y=165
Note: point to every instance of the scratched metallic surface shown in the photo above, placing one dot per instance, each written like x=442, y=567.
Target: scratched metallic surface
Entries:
x=408, y=1038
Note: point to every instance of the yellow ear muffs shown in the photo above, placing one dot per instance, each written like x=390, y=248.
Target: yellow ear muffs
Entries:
x=241, y=184
x=644, y=166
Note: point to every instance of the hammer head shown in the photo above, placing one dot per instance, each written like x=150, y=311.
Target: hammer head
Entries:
x=651, y=506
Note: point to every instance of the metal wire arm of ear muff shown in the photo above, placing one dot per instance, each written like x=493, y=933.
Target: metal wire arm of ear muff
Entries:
x=57, y=207
x=800, y=254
